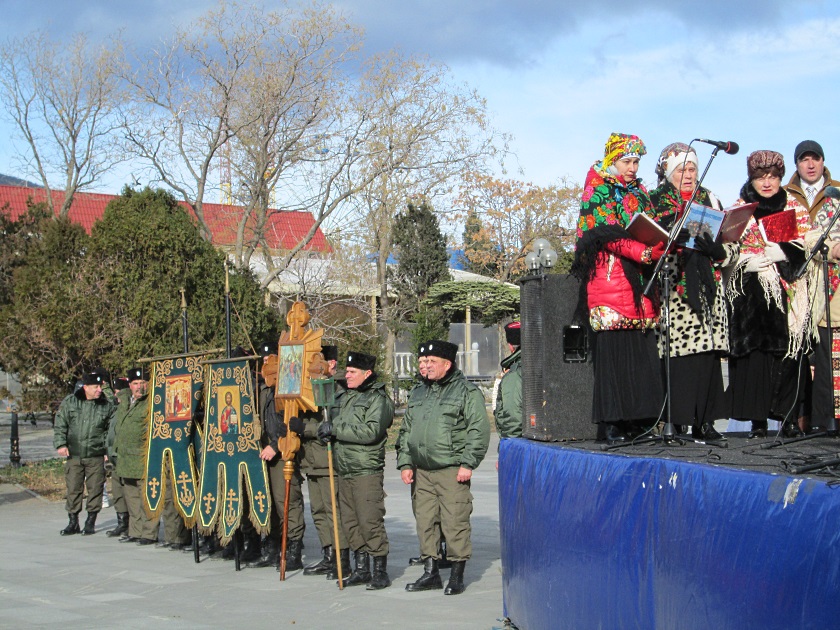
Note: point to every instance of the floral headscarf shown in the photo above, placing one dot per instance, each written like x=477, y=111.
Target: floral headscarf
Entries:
x=672, y=156
x=765, y=161
x=621, y=145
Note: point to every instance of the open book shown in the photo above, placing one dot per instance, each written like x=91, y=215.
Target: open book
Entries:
x=724, y=226
x=646, y=230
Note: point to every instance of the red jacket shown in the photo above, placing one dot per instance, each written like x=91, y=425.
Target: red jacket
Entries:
x=610, y=286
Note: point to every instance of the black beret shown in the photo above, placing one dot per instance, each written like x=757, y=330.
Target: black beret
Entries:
x=120, y=384
x=92, y=378
x=513, y=333
x=238, y=352
x=442, y=349
x=360, y=361
x=330, y=353
x=137, y=374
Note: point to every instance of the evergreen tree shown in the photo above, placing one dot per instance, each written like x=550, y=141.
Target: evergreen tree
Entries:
x=420, y=250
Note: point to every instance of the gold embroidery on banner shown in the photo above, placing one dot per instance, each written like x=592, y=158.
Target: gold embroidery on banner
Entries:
x=153, y=484
x=178, y=435
x=215, y=442
x=247, y=440
x=260, y=499
x=230, y=512
x=162, y=370
x=160, y=427
x=230, y=447
x=179, y=363
x=186, y=496
x=209, y=500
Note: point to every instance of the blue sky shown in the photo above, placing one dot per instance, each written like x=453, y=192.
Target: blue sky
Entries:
x=560, y=75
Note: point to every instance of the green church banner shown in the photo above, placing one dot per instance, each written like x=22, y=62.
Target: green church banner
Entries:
x=177, y=394
x=233, y=474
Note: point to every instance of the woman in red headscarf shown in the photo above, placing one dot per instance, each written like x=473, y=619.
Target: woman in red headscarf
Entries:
x=612, y=267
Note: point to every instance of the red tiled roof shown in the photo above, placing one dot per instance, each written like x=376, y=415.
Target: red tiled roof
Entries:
x=284, y=229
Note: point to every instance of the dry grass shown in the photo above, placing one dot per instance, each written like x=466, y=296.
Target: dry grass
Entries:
x=45, y=478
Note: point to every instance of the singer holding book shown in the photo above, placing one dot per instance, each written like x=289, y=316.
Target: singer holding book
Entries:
x=768, y=316
x=611, y=266
x=698, y=331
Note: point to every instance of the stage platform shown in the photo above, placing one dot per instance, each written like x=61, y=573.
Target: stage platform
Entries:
x=669, y=536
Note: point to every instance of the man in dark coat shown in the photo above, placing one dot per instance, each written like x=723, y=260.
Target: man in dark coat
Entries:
x=80, y=435
x=443, y=438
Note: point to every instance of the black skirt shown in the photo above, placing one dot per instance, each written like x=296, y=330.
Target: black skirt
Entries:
x=628, y=376
x=697, y=393
x=765, y=386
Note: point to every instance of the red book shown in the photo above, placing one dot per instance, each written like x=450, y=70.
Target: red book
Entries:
x=780, y=227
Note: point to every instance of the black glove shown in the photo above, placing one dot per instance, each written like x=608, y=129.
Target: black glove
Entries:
x=682, y=236
x=296, y=425
x=325, y=432
x=282, y=431
x=705, y=245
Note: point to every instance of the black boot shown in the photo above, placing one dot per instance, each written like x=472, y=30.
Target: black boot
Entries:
x=324, y=564
x=252, y=548
x=706, y=431
x=790, y=429
x=270, y=555
x=122, y=525
x=344, y=559
x=759, y=429
x=293, y=552
x=361, y=574
x=444, y=562
x=380, y=578
x=430, y=579
x=72, y=525
x=455, y=586
x=90, y=523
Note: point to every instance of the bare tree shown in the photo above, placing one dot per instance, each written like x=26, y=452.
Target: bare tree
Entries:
x=62, y=97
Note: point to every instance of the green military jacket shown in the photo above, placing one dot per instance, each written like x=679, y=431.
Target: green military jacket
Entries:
x=361, y=430
x=313, y=454
x=509, y=399
x=445, y=427
x=82, y=425
x=132, y=435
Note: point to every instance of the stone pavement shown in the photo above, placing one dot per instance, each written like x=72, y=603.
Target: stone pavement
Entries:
x=95, y=582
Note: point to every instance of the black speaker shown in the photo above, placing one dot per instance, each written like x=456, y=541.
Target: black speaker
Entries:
x=556, y=362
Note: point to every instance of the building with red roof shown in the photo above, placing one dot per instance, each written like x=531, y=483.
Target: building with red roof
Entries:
x=284, y=229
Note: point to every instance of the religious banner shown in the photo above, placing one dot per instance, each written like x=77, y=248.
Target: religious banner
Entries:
x=231, y=460
x=177, y=391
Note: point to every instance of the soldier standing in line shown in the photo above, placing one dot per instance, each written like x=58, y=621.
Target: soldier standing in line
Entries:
x=79, y=435
x=274, y=428
x=130, y=429
x=314, y=463
x=442, y=440
x=360, y=431
x=508, y=412
x=121, y=392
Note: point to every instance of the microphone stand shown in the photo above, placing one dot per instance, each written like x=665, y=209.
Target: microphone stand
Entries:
x=662, y=271
x=822, y=248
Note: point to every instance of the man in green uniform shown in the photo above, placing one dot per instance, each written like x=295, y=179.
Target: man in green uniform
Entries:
x=131, y=430
x=443, y=438
x=273, y=428
x=360, y=431
x=121, y=391
x=80, y=434
x=508, y=411
x=313, y=462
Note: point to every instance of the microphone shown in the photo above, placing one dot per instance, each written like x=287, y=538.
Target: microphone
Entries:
x=728, y=147
x=832, y=193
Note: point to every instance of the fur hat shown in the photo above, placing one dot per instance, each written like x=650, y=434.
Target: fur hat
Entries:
x=513, y=333
x=361, y=361
x=330, y=353
x=93, y=378
x=267, y=348
x=765, y=161
x=137, y=374
x=442, y=349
